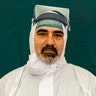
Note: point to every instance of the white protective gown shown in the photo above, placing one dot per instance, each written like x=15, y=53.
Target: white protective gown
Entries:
x=70, y=81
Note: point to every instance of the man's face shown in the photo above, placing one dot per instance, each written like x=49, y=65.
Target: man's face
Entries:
x=48, y=43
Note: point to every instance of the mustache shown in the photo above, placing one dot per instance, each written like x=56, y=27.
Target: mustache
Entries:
x=50, y=47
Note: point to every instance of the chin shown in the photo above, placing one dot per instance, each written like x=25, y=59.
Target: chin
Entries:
x=48, y=60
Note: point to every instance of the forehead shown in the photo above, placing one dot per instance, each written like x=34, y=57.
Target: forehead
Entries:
x=47, y=29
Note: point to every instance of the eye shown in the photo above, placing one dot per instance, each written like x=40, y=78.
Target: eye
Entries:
x=58, y=35
x=42, y=34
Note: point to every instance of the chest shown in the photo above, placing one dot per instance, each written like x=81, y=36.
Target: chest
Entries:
x=58, y=85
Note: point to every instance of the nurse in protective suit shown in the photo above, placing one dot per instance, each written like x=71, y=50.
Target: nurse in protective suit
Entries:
x=47, y=72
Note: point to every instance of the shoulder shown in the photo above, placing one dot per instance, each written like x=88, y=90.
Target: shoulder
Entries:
x=87, y=75
x=81, y=74
x=11, y=75
x=80, y=70
x=85, y=78
x=13, y=72
x=9, y=81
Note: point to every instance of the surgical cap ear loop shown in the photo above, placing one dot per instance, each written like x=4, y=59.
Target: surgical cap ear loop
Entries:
x=31, y=42
x=87, y=92
x=65, y=38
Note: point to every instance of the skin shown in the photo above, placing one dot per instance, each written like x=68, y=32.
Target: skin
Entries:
x=50, y=36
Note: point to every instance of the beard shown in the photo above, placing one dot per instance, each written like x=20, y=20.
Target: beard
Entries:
x=49, y=54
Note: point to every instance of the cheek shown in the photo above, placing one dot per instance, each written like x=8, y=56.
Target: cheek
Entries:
x=60, y=47
x=38, y=44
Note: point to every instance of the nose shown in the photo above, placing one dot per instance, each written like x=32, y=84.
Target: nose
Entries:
x=50, y=39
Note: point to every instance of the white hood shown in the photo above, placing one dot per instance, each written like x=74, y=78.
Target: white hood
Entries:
x=38, y=67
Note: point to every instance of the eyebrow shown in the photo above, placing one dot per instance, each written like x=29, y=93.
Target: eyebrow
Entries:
x=44, y=30
x=41, y=30
x=58, y=31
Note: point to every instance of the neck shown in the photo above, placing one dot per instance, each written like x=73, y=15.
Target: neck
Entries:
x=37, y=67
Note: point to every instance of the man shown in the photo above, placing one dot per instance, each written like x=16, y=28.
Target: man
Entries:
x=47, y=73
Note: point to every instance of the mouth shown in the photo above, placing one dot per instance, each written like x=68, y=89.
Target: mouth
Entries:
x=49, y=53
x=49, y=48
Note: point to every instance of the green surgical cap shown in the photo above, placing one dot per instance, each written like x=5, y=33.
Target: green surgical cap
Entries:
x=51, y=16
x=49, y=23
